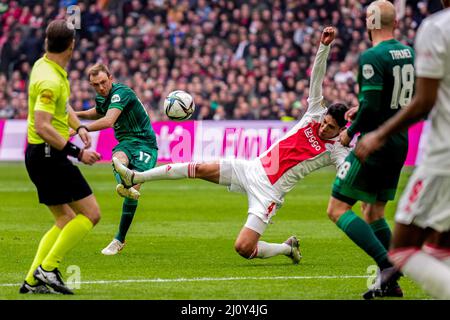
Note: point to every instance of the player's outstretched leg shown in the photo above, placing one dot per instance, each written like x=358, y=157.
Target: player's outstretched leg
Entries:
x=173, y=171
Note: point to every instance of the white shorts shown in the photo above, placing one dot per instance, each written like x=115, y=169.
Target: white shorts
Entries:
x=249, y=177
x=255, y=223
x=426, y=202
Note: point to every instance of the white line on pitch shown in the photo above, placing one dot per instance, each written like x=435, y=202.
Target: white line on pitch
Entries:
x=157, y=280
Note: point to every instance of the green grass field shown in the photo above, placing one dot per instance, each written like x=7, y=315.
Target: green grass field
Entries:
x=180, y=245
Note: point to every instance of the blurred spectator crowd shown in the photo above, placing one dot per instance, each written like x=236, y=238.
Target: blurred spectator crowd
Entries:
x=239, y=59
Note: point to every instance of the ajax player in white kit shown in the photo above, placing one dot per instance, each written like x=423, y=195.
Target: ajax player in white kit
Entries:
x=420, y=246
x=310, y=145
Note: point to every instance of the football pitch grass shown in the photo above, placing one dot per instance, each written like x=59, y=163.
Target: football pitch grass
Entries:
x=180, y=245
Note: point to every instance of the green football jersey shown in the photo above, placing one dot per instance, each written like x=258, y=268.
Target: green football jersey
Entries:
x=389, y=69
x=134, y=122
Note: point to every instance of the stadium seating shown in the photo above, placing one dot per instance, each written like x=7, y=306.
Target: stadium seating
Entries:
x=239, y=59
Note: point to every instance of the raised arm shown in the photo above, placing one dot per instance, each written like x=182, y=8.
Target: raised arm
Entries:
x=320, y=68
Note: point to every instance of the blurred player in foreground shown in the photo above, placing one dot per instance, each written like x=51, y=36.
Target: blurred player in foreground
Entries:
x=118, y=106
x=310, y=145
x=420, y=246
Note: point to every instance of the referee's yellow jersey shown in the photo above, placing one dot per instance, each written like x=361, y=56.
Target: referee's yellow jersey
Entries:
x=48, y=91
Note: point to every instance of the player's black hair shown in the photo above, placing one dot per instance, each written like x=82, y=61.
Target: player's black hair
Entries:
x=337, y=111
x=59, y=36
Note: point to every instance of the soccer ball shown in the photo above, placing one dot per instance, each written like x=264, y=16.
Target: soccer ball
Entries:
x=179, y=105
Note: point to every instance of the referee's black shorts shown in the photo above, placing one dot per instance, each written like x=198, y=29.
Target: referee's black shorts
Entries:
x=57, y=180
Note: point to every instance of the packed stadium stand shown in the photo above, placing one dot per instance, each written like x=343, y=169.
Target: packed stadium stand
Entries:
x=239, y=59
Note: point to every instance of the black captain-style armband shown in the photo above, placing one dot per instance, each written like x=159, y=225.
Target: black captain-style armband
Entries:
x=72, y=150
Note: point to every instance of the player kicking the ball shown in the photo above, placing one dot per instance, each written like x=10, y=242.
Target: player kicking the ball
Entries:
x=118, y=106
x=310, y=145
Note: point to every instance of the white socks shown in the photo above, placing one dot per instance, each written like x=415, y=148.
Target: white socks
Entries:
x=171, y=171
x=431, y=274
x=429, y=267
x=442, y=254
x=267, y=250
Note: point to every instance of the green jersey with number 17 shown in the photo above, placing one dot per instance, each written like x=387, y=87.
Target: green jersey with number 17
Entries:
x=389, y=68
x=133, y=123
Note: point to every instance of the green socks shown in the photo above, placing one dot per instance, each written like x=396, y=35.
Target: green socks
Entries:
x=128, y=210
x=362, y=234
x=382, y=232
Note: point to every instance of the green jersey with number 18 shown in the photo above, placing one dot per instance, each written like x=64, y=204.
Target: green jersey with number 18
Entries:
x=388, y=68
x=133, y=123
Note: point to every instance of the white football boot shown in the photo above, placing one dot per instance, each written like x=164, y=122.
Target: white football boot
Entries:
x=295, y=254
x=126, y=174
x=113, y=248
x=130, y=193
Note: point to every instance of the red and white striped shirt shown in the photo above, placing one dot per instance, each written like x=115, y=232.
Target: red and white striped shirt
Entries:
x=301, y=151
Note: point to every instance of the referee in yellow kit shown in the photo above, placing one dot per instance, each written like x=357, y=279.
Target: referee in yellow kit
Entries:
x=60, y=184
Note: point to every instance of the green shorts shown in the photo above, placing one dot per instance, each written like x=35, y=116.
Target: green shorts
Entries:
x=141, y=157
x=372, y=181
